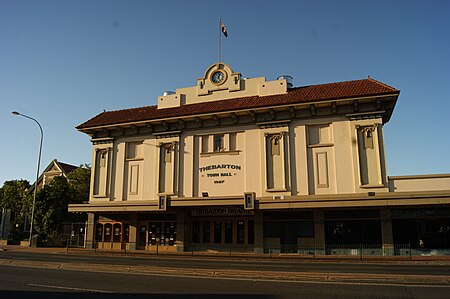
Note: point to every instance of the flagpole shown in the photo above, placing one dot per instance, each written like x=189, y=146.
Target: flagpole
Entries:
x=220, y=39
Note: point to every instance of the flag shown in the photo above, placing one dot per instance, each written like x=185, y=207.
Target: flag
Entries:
x=224, y=29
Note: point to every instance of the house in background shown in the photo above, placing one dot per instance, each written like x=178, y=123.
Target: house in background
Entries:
x=249, y=164
x=54, y=169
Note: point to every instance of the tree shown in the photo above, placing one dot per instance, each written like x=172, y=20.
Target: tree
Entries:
x=79, y=181
x=14, y=196
x=51, y=208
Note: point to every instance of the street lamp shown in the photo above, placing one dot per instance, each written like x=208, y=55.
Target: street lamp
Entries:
x=37, y=171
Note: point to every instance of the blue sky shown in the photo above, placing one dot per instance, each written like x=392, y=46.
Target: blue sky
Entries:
x=63, y=62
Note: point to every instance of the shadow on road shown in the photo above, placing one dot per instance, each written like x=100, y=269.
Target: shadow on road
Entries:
x=81, y=295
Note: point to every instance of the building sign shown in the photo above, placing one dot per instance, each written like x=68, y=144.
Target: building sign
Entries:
x=221, y=211
x=219, y=173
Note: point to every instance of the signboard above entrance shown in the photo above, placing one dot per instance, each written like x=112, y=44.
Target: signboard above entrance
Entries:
x=221, y=211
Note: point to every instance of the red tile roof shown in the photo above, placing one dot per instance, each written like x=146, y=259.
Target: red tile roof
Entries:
x=305, y=94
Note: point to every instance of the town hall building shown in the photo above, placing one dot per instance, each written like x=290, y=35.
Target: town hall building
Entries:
x=246, y=164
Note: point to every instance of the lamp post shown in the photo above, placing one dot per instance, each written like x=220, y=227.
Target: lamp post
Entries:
x=37, y=171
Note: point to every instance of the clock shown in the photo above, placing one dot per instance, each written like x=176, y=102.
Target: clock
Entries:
x=218, y=77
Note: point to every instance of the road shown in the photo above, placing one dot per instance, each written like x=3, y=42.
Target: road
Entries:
x=226, y=263
x=26, y=274
x=22, y=282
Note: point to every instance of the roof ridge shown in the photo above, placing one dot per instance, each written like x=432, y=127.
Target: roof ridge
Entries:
x=302, y=94
x=329, y=83
x=381, y=83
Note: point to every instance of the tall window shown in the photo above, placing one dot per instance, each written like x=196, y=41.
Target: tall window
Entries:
x=219, y=142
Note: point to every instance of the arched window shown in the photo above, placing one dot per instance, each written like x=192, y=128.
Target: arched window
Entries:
x=107, y=233
x=117, y=232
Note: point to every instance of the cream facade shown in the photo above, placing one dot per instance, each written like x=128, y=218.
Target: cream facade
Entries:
x=253, y=165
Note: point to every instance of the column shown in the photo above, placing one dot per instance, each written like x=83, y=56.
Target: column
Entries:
x=132, y=242
x=90, y=231
x=259, y=232
x=386, y=231
x=319, y=232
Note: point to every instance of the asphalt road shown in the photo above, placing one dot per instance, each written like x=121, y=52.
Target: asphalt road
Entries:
x=225, y=263
x=22, y=282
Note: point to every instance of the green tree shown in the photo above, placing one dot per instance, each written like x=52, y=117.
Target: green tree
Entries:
x=51, y=208
x=79, y=181
x=14, y=196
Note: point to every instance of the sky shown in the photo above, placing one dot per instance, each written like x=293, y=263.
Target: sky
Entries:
x=63, y=62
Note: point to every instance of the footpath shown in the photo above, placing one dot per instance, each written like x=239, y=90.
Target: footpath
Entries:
x=332, y=277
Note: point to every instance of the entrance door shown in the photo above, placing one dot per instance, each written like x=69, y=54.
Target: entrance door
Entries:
x=288, y=238
x=142, y=236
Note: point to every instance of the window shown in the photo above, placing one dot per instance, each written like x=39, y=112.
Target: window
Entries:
x=219, y=143
x=162, y=233
x=205, y=144
x=228, y=232
x=319, y=135
x=251, y=232
x=142, y=235
x=218, y=232
x=134, y=150
x=126, y=233
x=206, y=232
x=232, y=141
x=241, y=232
x=99, y=233
x=108, y=233
x=117, y=232
x=196, y=231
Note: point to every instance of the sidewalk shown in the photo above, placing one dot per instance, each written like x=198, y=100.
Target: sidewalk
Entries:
x=233, y=255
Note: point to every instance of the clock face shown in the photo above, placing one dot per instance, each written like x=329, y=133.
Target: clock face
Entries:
x=218, y=77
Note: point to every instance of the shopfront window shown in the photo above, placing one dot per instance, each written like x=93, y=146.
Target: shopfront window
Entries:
x=218, y=232
x=251, y=232
x=196, y=232
x=206, y=232
x=162, y=233
x=228, y=232
x=241, y=232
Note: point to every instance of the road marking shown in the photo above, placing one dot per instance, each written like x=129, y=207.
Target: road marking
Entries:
x=263, y=266
x=293, y=281
x=67, y=288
